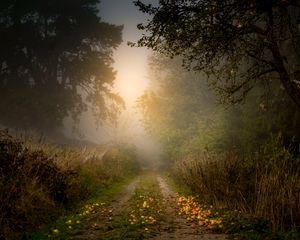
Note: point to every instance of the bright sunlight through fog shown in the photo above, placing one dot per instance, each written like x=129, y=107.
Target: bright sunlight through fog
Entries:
x=131, y=80
x=130, y=63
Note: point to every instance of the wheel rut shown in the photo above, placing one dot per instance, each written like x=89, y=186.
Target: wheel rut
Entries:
x=99, y=225
x=176, y=227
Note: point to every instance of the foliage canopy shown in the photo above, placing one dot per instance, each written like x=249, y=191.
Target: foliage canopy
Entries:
x=236, y=42
x=56, y=58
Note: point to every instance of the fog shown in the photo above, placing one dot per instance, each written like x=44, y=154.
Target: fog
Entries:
x=130, y=82
x=126, y=132
x=101, y=93
x=184, y=111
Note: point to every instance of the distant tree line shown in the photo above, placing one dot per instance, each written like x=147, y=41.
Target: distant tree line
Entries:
x=182, y=112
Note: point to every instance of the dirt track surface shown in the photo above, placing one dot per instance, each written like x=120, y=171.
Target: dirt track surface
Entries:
x=176, y=226
x=101, y=225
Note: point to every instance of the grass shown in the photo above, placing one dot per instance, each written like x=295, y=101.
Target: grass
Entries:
x=143, y=216
x=257, y=194
x=77, y=219
x=238, y=225
x=176, y=185
x=40, y=182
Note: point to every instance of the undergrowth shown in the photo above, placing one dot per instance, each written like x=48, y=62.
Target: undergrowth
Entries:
x=39, y=182
x=263, y=187
x=71, y=223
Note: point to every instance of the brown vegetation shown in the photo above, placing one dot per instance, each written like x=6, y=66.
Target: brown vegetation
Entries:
x=264, y=184
x=39, y=182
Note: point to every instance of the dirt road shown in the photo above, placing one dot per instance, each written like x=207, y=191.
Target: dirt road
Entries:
x=112, y=221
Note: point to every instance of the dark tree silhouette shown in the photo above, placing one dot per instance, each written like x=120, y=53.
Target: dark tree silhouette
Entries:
x=236, y=42
x=55, y=61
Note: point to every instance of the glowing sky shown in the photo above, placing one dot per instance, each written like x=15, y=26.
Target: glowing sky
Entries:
x=131, y=81
x=130, y=63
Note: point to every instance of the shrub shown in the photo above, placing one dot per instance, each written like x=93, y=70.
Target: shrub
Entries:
x=31, y=186
x=40, y=182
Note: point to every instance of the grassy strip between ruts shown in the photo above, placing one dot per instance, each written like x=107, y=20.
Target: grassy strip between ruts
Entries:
x=237, y=225
x=143, y=216
x=68, y=225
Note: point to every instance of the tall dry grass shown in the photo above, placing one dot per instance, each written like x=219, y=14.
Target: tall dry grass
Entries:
x=38, y=181
x=264, y=184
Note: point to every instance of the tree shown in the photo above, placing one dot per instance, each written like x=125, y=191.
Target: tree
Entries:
x=182, y=114
x=177, y=101
x=56, y=58
x=235, y=42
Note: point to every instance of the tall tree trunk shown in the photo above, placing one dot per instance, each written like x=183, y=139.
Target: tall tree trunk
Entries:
x=290, y=86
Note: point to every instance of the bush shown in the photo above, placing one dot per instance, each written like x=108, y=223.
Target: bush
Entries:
x=31, y=186
x=40, y=182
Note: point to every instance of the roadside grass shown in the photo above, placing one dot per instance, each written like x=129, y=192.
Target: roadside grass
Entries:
x=177, y=187
x=144, y=214
x=217, y=220
x=69, y=224
x=237, y=224
x=240, y=226
x=41, y=182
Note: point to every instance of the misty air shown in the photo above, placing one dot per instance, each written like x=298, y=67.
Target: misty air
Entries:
x=150, y=119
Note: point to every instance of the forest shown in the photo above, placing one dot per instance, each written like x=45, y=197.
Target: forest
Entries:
x=222, y=103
